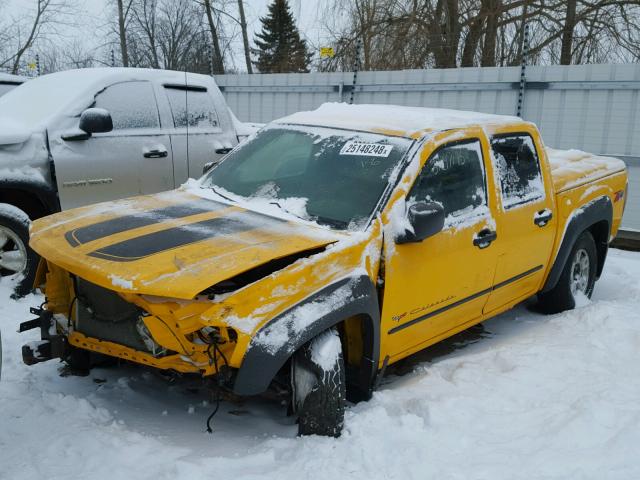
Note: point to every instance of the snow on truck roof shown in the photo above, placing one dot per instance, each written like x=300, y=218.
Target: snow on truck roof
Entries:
x=409, y=121
x=67, y=93
x=10, y=78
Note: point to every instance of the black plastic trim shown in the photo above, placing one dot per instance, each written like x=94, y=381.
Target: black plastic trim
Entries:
x=261, y=362
x=598, y=210
x=47, y=196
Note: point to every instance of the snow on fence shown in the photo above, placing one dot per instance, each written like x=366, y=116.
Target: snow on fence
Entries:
x=588, y=107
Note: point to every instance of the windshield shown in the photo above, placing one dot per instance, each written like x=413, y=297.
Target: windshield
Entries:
x=331, y=176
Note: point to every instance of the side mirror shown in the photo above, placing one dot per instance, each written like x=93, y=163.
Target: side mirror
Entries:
x=426, y=218
x=96, y=120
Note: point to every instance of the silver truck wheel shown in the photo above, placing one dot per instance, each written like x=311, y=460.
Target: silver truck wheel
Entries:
x=580, y=272
x=13, y=252
x=16, y=258
x=318, y=388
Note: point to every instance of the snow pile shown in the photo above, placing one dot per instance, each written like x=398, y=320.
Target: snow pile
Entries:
x=120, y=282
x=531, y=396
x=325, y=350
x=571, y=168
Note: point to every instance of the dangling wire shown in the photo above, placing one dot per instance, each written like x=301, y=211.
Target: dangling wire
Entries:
x=213, y=350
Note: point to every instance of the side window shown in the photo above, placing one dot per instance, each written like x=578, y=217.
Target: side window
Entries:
x=518, y=169
x=454, y=176
x=196, y=104
x=131, y=105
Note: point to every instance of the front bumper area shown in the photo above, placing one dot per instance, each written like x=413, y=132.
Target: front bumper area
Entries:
x=52, y=344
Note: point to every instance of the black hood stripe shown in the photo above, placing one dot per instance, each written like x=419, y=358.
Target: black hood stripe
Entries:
x=96, y=231
x=157, y=242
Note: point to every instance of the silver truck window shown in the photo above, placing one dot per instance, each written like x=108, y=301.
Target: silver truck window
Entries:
x=518, y=169
x=454, y=176
x=202, y=111
x=131, y=105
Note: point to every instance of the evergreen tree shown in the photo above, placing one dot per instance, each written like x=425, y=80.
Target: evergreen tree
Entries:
x=280, y=48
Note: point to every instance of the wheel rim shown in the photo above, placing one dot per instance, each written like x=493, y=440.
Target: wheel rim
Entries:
x=580, y=272
x=13, y=252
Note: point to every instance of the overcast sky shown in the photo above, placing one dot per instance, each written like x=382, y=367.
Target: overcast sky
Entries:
x=92, y=16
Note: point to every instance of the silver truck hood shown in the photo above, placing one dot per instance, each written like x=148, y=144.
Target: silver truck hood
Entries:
x=12, y=132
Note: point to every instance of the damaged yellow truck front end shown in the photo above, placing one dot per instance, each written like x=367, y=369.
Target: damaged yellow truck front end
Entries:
x=164, y=274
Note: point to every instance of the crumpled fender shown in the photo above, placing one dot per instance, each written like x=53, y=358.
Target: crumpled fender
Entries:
x=275, y=342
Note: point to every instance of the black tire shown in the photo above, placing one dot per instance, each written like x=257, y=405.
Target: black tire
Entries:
x=561, y=297
x=78, y=360
x=14, y=236
x=318, y=388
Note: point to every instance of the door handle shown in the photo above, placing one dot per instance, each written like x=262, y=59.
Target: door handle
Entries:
x=156, y=153
x=484, y=237
x=542, y=217
x=223, y=151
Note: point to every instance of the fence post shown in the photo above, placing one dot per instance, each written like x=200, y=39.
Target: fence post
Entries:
x=356, y=65
x=523, y=69
x=113, y=58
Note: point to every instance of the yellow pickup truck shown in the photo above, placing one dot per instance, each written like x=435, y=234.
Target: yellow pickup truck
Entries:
x=333, y=243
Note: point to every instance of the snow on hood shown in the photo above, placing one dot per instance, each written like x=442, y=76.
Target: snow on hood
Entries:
x=172, y=244
x=12, y=132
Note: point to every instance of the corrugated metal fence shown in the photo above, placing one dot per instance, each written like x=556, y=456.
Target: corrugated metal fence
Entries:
x=588, y=107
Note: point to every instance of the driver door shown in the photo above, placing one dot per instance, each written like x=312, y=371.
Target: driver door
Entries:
x=440, y=285
x=134, y=158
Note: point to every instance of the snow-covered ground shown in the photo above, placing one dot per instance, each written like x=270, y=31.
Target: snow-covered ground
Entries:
x=525, y=396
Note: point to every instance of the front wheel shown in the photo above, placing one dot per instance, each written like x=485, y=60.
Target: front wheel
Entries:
x=318, y=388
x=578, y=277
x=16, y=258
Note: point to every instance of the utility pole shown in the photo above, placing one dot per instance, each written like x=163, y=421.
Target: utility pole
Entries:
x=356, y=66
x=523, y=69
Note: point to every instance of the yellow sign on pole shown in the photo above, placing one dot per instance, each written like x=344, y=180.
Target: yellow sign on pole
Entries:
x=32, y=66
x=327, y=52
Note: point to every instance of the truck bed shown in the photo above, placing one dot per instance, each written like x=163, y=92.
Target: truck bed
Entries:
x=572, y=168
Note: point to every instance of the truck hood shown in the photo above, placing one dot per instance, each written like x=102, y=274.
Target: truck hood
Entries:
x=12, y=132
x=173, y=244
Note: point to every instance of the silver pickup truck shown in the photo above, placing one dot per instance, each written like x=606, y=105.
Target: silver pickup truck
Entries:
x=84, y=136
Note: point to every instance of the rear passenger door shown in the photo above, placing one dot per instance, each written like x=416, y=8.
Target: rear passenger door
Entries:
x=197, y=135
x=134, y=158
x=526, y=226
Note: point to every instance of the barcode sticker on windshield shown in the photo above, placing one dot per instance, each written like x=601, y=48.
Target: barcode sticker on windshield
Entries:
x=366, y=149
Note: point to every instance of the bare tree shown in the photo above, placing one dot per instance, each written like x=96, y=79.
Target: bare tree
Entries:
x=20, y=34
x=218, y=64
x=245, y=36
x=123, y=13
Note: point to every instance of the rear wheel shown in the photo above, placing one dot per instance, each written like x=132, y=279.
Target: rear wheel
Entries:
x=318, y=385
x=578, y=277
x=16, y=258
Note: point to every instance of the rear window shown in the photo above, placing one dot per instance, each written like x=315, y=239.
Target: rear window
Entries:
x=194, y=107
x=518, y=169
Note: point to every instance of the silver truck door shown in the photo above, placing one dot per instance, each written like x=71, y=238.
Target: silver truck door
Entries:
x=134, y=158
x=210, y=131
